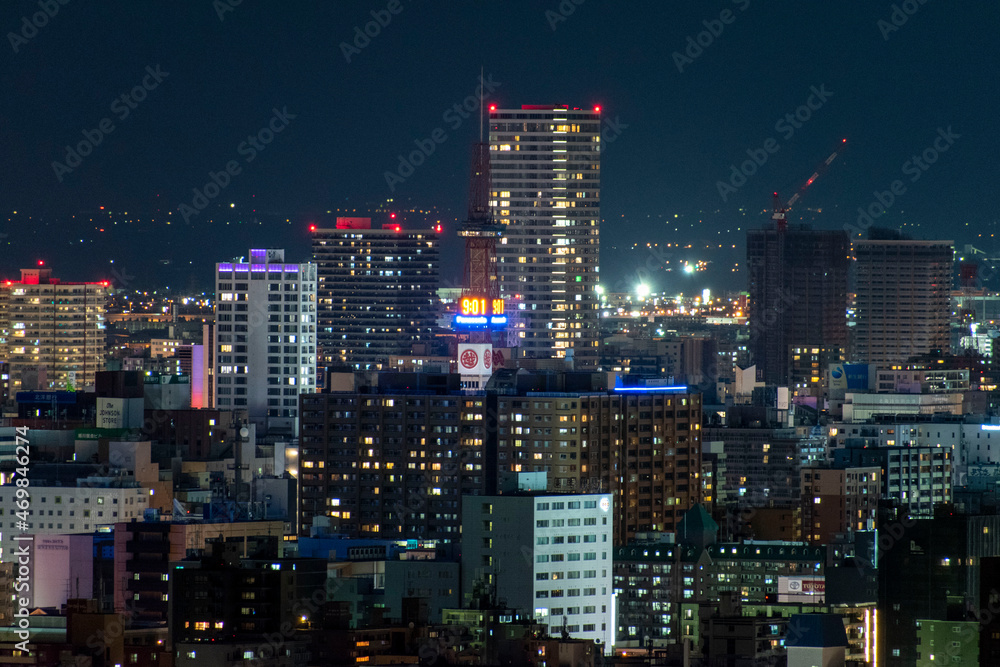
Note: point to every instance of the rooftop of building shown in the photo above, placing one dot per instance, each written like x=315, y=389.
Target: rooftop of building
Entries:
x=44, y=277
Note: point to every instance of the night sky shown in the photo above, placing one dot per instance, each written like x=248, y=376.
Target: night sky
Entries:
x=670, y=135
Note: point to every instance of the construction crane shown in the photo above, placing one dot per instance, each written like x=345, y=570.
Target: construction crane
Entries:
x=780, y=216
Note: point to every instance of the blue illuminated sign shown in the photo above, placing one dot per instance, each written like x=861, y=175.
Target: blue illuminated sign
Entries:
x=480, y=321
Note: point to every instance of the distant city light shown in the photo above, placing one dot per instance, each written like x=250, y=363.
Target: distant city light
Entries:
x=642, y=291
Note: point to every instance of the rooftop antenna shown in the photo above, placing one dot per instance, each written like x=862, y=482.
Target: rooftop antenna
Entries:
x=481, y=75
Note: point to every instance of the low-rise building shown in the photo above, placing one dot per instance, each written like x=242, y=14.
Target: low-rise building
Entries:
x=550, y=554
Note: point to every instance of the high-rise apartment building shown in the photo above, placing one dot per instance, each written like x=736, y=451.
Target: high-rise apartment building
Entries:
x=545, y=162
x=391, y=465
x=377, y=291
x=51, y=332
x=797, y=279
x=642, y=445
x=902, y=307
x=395, y=461
x=265, y=337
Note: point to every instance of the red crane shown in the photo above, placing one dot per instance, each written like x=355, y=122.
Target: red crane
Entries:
x=780, y=210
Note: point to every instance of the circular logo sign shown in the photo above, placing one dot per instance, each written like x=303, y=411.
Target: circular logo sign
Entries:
x=487, y=359
x=605, y=504
x=794, y=585
x=469, y=359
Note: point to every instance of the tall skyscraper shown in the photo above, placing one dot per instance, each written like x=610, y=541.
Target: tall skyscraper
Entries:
x=797, y=279
x=903, y=306
x=51, y=332
x=265, y=337
x=377, y=291
x=546, y=175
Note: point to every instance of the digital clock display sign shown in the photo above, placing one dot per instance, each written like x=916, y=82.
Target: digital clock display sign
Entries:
x=480, y=313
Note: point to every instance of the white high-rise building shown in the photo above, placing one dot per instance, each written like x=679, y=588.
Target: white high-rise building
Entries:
x=551, y=555
x=546, y=191
x=265, y=337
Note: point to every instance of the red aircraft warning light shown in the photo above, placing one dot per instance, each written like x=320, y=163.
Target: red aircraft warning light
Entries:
x=312, y=228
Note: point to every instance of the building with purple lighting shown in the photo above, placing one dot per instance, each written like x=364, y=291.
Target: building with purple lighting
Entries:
x=265, y=337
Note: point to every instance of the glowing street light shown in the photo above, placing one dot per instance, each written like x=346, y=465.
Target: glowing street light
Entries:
x=642, y=291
